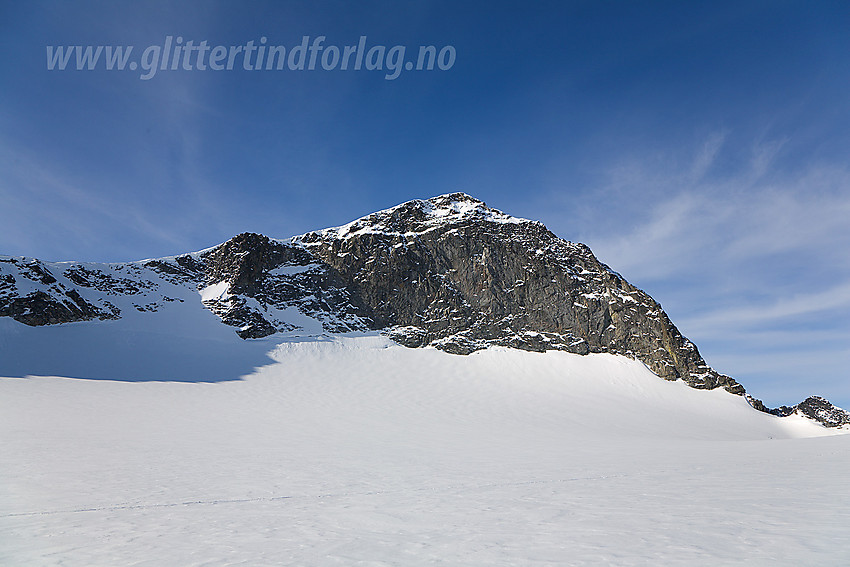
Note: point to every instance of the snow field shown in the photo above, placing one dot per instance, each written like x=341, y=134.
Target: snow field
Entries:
x=356, y=451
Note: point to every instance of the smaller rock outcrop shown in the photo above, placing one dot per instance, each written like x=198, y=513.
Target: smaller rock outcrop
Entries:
x=818, y=409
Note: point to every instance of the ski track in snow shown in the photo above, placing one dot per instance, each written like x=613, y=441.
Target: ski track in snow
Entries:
x=355, y=451
x=329, y=495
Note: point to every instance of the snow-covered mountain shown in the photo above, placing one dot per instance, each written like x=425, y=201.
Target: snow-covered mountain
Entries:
x=259, y=403
x=447, y=272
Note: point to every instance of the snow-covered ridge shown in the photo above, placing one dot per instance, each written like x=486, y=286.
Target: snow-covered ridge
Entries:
x=446, y=272
x=419, y=216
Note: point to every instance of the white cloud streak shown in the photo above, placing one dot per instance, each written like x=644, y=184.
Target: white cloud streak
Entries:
x=734, y=256
x=791, y=307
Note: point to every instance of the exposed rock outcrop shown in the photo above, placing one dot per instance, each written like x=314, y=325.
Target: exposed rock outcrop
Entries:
x=455, y=274
x=47, y=301
x=818, y=409
x=447, y=272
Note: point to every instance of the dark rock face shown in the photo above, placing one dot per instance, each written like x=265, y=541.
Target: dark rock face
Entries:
x=266, y=278
x=818, y=409
x=452, y=273
x=48, y=302
x=447, y=272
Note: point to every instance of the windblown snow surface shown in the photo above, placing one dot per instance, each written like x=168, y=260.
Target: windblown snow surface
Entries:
x=355, y=451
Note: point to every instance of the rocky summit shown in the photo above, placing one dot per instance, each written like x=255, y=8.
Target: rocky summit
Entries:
x=447, y=272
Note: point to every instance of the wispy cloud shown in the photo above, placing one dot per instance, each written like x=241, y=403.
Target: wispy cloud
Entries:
x=706, y=156
x=735, y=254
x=156, y=195
x=750, y=317
x=688, y=218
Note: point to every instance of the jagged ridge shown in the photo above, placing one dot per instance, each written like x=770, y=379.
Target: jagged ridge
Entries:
x=448, y=272
x=452, y=273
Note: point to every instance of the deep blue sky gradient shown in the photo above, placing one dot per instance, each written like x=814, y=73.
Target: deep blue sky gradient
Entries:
x=700, y=148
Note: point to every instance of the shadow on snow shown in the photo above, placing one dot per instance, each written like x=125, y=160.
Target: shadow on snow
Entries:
x=113, y=351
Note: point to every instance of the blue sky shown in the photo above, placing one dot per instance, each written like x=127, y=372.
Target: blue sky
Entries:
x=700, y=148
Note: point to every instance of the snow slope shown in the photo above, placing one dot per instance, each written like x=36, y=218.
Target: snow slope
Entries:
x=357, y=451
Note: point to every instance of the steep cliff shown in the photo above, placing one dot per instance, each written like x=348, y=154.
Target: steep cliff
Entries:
x=447, y=272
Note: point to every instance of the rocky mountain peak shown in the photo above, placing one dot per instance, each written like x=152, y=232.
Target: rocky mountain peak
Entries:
x=447, y=272
x=419, y=216
x=454, y=274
